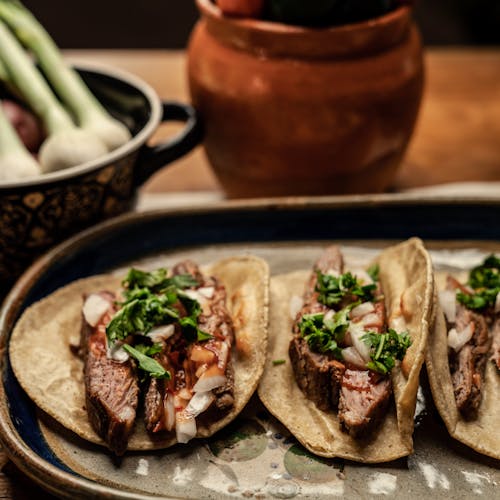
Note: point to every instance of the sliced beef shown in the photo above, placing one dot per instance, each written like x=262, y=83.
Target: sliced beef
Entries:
x=361, y=396
x=188, y=267
x=363, y=401
x=364, y=394
x=495, y=347
x=317, y=375
x=468, y=364
x=158, y=414
x=111, y=387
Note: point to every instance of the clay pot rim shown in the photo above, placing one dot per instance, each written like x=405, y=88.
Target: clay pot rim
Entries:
x=209, y=8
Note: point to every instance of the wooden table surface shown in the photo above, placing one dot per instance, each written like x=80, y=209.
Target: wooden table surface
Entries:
x=457, y=139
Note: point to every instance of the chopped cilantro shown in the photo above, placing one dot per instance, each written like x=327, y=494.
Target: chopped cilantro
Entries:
x=157, y=280
x=478, y=300
x=150, y=299
x=386, y=348
x=374, y=271
x=332, y=289
x=140, y=314
x=485, y=280
x=277, y=362
x=324, y=335
x=147, y=364
x=487, y=275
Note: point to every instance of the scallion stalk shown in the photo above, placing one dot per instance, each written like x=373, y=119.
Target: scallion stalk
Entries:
x=90, y=114
x=15, y=160
x=66, y=145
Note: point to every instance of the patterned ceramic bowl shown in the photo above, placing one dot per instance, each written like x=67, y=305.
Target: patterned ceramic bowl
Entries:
x=36, y=213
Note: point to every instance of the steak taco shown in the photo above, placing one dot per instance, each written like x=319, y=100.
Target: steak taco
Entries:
x=343, y=372
x=157, y=358
x=463, y=358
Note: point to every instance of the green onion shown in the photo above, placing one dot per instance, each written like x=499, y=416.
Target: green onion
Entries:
x=15, y=160
x=90, y=114
x=66, y=145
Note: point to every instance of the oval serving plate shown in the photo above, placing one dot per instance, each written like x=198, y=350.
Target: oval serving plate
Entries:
x=288, y=234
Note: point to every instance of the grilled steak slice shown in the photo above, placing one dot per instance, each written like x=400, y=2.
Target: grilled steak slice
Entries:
x=363, y=401
x=176, y=357
x=364, y=394
x=317, y=375
x=361, y=396
x=495, y=348
x=468, y=364
x=159, y=408
x=111, y=386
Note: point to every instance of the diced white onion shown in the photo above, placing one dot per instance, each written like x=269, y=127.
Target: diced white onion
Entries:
x=185, y=427
x=201, y=355
x=329, y=315
x=206, y=291
x=371, y=319
x=362, y=309
x=457, y=339
x=357, y=331
x=116, y=352
x=185, y=394
x=362, y=276
x=296, y=304
x=333, y=272
x=447, y=300
x=199, y=403
x=223, y=355
x=94, y=308
x=192, y=294
x=214, y=377
x=397, y=322
x=159, y=333
x=169, y=411
x=497, y=303
x=351, y=355
x=179, y=402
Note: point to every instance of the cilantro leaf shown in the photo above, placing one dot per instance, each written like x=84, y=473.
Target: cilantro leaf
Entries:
x=374, y=271
x=322, y=335
x=149, y=350
x=147, y=364
x=386, y=348
x=332, y=289
x=157, y=280
x=485, y=280
x=277, y=362
x=190, y=330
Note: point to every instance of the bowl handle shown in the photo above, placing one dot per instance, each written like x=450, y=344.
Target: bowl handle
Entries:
x=152, y=158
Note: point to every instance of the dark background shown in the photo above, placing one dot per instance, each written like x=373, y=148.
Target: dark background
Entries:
x=167, y=23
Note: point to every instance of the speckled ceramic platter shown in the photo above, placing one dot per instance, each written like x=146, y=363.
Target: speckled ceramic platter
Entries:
x=255, y=457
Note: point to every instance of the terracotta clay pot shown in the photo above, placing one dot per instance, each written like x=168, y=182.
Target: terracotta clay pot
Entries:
x=290, y=110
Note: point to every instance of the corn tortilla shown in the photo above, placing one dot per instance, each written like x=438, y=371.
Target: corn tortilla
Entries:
x=52, y=375
x=407, y=280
